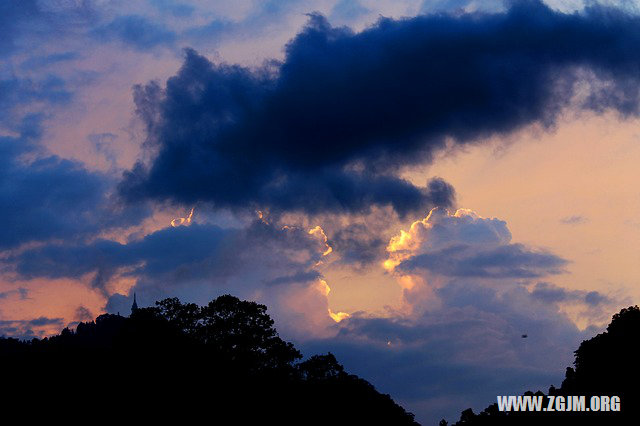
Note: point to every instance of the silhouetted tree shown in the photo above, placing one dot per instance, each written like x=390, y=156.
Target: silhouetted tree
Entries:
x=242, y=332
x=185, y=317
x=179, y=363
x=321, y=367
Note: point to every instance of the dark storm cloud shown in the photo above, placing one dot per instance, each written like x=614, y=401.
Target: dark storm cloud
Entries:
x=135, y=31
x=252, y=176
x=328, y=127
x=348, y=191
x=505, y=261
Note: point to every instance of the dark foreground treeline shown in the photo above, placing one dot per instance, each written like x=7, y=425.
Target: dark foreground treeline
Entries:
x=605, y=365
x=181, y=364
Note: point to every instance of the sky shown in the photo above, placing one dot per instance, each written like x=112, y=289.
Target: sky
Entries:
x=411, y=185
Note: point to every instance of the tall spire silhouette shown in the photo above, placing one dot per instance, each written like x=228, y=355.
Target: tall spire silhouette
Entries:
x=134, y=307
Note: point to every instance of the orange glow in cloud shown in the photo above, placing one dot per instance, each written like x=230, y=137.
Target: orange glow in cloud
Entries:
x=407, y=244
x=418, y=289
x=324, y=289
x=182, y=220
x=263, y=216
x=407, y=282
x=337, y=316
x=402, y=246
x=319, y=231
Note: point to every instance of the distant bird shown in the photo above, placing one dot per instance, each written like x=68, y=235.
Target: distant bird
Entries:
x=524, y=336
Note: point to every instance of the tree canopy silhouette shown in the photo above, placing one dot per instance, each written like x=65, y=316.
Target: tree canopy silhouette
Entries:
x=179, y=362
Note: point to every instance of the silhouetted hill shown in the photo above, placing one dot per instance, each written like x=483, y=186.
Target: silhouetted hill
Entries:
x=177, y=363
x=605, y=365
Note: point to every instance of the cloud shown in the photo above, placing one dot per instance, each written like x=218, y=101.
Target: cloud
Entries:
x=460, y=354
x=468, y=298
x=29, y=329
x=551, y=293
x=30, y=98
x=21, y=292
x=508, y=261
x=83, y=314
x=295, y=278
x=136, y=32
x=13, y=15
x=326, y=130
x=463, y=248
x=158, y=253
x=263, y=19
x=103, y=143
x=266, y=262
x=573, y=220
x=46, y=197
x=119, y=304
x=441, y=229
x=255, y=178
x=23, y=22
x=328, y=127
x=42, y=62
x=358, y=245
x=465, y=245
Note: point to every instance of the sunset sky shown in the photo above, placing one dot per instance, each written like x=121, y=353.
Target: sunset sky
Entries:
x=411, y=185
